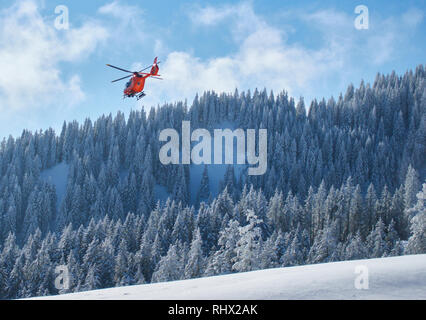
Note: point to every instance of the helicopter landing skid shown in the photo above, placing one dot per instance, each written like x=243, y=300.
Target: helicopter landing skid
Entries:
x=141, y=95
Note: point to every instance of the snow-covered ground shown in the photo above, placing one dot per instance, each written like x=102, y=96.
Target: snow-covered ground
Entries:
x=388, y=278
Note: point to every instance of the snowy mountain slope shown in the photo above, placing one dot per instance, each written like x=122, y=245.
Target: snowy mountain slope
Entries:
x=57, y=175
x=388, y=278
x=216, y=172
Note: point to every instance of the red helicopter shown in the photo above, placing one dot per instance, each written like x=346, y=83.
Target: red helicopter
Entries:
x=134, y=87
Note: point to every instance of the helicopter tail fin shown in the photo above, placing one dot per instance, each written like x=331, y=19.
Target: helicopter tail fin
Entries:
x=154, y=69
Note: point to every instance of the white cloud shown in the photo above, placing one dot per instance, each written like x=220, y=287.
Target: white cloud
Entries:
x=242, y=17
x=329, y=18
x=263, y=59
x=211, y=16
x=126, y=13
x=31, y=50
x=130, y=22
x=413, y=17
x=160, y=49
x=376, y=46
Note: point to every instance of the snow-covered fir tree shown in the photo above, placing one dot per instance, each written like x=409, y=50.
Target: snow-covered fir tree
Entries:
x=343, y=182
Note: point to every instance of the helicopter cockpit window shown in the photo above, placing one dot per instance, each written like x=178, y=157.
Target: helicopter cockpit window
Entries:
x=128, y=83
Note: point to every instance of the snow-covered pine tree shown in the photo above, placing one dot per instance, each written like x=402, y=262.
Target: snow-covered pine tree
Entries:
x=169, y=268
x=248, y=247
x=203, y=193
x=194, y=268
x=417, y=241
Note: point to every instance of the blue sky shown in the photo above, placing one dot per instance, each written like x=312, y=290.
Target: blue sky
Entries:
x=309, y=48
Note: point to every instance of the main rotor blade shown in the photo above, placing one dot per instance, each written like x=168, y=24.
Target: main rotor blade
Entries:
x=146, y=68
x=122, y=78
x=119, y=68
x=149, y=66
x=149, y=74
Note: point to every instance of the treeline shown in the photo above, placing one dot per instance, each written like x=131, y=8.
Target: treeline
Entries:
x=174, y=242
x=361, y=156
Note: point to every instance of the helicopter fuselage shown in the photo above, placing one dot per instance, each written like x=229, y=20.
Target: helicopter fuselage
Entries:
x=135, y=85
